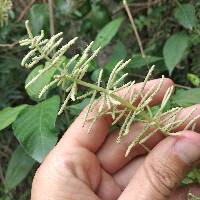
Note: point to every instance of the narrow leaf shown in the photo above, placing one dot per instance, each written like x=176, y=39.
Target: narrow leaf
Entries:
x=35, y=128
x=174, y=49
x=18, y=167
x=107, y=33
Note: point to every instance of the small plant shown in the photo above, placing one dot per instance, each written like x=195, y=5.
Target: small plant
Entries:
x=5, y=7
x=123, y=110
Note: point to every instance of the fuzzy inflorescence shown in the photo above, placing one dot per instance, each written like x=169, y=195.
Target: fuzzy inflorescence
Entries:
x=123, y=108
x=192, y=196
x=5, y=7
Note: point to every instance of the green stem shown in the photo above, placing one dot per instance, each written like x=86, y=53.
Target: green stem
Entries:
x=122, y=101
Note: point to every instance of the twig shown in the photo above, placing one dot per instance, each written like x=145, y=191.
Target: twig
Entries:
x=142, y=5
x=134, y=28
x=25, y=10
x=182, y=86
x=51, y=17
x=9, y=45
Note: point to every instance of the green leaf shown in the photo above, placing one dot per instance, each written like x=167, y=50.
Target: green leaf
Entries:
x=174, y=49
x=187, y=97
x=185, y=15
x=194, y=79
x=8, y=115
x=107, y=33
x=138, y=61
x=39, y=17
x=19, y=166
x=35, y=128
x=119, y=53
x=77, y=108
x=35, y=88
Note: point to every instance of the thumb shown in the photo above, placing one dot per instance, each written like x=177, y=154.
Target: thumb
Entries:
x=165, y=166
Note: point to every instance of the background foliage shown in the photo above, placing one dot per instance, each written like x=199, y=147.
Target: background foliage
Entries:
x=169, y=32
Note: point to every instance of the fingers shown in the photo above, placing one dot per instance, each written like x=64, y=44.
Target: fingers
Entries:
x=78, y=135
x=163, y=169
x=111, y=154
x=123, y=176
x=108, y=189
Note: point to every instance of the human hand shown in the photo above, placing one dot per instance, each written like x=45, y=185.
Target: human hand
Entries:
x=92, y=166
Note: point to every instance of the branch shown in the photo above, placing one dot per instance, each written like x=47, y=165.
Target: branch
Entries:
x=25, y=10
x=51, y=17
x=134, y=28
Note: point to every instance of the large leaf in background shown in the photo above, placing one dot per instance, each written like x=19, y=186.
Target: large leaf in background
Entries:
x=185, y=15
x=35, y=88
x=8, y=115
x=107, y=33
x=39, y=16
x=187, y=97
x=174, y=49
x=19, y=166
x=119, y=53
x=138, y=61
x=35, y=128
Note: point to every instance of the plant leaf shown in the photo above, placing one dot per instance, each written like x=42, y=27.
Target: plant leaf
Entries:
x=187, y=97
x=194, y=79
x=185, y=15
x=19, y=166
x=174, y=49
x=8, y=115
x=35, y=88
x=38, y=16
x=119, y=53
x=138, y=61
x=107, y=33
x=77, y=108
x=35, y=128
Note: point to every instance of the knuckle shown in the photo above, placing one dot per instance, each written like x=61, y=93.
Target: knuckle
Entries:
x=161, y=176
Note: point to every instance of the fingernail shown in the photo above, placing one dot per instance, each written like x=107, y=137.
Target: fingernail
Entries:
x=188, y=150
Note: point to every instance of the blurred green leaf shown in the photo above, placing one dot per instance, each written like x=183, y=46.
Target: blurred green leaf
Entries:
x=107, y=33
x=39, y=17
x=185, y=15
x=19, y=166
x=95, y=74
x=35, y=88
x=187, y=97
x=138, y=61
x=118, y=54
x=35, y=128
x=75, y=109
x=194, y=79
x=174, y=49
x=8, y=115
x=192, y=177
x=100, y=15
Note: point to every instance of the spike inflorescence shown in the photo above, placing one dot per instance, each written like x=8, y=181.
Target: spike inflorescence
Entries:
x=124, y=108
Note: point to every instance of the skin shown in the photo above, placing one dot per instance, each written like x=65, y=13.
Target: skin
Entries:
x=93, y=167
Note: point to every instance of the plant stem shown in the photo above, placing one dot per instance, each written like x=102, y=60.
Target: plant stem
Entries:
x=51, y=17
x=122, y=101
x=134, y=28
